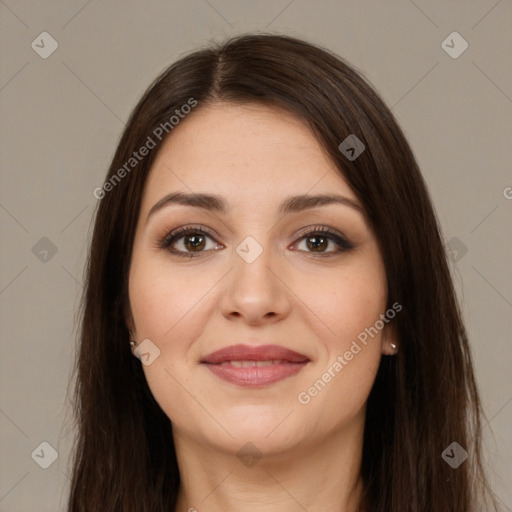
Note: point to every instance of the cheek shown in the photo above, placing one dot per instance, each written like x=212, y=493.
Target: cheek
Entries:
x=347, y=307
x=338, y=389
x=346, y=302
x=162, y=305
x=161, y=300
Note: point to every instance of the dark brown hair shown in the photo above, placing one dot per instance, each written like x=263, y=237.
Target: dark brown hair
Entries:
x=423, y=399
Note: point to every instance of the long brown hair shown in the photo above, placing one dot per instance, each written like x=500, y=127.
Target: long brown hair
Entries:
x=423, y=399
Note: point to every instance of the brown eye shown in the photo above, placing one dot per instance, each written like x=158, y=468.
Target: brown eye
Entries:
x=186, y=241
x=319, y=244
x=317, y=241
x=194, y=242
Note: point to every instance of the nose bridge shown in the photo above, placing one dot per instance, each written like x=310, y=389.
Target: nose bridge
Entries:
x=253, y=262
x=255, y=290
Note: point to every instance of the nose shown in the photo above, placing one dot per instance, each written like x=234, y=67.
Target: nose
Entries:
x=255, y=291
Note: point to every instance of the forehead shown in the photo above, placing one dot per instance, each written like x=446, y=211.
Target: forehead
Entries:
x=248, y=150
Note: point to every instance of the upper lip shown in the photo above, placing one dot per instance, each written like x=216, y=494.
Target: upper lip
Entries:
x=254, y=353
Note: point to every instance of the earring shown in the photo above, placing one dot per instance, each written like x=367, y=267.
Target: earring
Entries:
x=393, y=346
x=132, y=342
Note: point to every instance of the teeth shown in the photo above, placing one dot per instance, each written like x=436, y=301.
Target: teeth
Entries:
x=251, y=364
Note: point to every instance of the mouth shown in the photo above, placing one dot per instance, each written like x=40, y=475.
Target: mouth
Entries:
x=247, y=366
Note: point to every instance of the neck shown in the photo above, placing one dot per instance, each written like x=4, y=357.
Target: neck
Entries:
x=313, y=476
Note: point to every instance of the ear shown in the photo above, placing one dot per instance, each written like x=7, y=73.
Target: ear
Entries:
x=390, y=342
x=128, y=318
x=130, y=324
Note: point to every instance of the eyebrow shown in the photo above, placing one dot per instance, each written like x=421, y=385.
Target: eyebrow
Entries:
x=218, y=204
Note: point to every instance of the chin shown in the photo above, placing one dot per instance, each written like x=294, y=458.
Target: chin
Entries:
x=266, y=427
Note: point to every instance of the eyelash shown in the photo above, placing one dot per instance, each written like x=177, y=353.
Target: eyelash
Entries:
x=170, y=238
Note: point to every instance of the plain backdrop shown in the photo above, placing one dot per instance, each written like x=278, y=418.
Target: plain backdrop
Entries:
x=62, y=115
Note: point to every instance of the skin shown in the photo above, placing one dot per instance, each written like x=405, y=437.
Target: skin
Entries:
x=255, y=157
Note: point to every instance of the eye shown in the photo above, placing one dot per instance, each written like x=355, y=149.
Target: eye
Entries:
x=191, y=239
x=318, y=238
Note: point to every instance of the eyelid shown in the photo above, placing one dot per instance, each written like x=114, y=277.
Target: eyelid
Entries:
x=174, y=235
x=339, y=239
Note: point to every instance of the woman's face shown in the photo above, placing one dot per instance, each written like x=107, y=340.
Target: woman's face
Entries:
x=255, y=277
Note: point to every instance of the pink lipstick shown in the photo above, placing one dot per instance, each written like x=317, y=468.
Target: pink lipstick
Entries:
x=248, y=366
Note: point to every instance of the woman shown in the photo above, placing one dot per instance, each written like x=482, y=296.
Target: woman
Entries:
x=266, y=246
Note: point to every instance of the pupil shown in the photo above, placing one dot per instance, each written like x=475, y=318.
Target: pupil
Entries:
x=196, y=244
x=318, y=244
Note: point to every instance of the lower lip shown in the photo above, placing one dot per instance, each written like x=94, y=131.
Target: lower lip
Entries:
x=255, y=376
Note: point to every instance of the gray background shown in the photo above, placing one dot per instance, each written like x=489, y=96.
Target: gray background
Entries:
x=61, y=118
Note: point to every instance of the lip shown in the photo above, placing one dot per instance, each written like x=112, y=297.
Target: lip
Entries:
x=259, y=353
x=288, y=363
